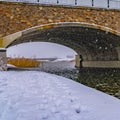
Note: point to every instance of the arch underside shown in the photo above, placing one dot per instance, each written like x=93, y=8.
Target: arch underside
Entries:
x=91, y=43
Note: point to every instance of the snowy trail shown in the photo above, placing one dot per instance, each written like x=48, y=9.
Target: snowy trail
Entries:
x=32, y=95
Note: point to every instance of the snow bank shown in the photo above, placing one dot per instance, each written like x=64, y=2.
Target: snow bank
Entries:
x=32, y=95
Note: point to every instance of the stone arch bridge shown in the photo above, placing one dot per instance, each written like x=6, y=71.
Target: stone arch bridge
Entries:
x=93, y=33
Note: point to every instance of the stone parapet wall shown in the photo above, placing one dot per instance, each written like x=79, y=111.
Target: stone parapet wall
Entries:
x=15, y=17
x=3, y=62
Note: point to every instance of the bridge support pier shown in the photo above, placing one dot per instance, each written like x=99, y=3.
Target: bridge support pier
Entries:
x=77, y=61
x=118, y=51
x=3, y=59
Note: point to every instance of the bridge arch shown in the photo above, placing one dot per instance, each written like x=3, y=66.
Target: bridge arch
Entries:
x=94, y=42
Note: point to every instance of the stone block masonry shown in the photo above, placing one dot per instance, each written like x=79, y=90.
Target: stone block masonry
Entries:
x=15, y=17
x=3, y=62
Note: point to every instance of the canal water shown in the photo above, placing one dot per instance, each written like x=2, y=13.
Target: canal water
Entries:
x=104, y=79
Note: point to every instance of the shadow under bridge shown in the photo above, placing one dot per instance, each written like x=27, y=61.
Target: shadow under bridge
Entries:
x=93, y=44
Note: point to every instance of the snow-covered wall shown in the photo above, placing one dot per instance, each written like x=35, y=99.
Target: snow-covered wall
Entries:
x=91, y=3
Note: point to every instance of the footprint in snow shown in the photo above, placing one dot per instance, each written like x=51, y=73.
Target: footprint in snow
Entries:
x=55, y=110
x=3, y=84
x=77, y=108
x=45, y=116
x=1, y=91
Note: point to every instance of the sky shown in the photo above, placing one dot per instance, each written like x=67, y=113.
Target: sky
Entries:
x=41, y=50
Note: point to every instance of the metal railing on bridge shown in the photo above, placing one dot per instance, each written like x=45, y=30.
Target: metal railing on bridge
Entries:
x=111, y=4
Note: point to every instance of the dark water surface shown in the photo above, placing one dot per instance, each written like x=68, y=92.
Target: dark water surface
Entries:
x=103, y=79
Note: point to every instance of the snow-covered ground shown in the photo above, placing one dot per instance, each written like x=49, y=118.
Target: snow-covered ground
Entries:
x=32, y=95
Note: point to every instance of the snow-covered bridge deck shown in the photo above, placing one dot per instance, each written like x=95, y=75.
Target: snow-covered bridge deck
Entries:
x=90, y=3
